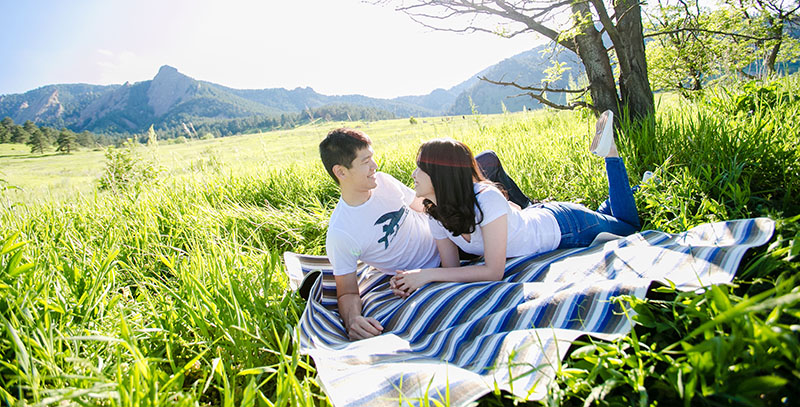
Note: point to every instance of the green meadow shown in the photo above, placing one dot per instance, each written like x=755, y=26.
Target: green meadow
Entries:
x=60, y=175
x=166, y=286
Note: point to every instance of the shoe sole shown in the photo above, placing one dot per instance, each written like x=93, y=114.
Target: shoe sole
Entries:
x=604, y=134
x=308, y=283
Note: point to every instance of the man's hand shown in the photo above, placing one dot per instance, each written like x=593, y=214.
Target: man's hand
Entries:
x=363, y=327
x=357, y=326
x=406, y=282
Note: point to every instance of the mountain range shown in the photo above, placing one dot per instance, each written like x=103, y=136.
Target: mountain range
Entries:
x=171, y=98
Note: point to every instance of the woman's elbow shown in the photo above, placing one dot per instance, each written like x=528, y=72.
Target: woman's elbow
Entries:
x=496, y=273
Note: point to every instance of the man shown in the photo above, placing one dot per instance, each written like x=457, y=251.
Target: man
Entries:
x=378, y=220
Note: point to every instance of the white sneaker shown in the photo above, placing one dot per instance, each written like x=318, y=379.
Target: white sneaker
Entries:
x=604, y=135
x=646, y=176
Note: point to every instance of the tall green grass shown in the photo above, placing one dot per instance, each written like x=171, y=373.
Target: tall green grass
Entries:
x=173, y=292
x=731, y=345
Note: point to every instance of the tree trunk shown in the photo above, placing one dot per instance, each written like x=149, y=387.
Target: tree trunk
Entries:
x=634, y=85
x=769, y=61
x=593, y=54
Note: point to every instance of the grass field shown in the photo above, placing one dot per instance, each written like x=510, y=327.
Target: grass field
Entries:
x=59, y=175
x=170, y=291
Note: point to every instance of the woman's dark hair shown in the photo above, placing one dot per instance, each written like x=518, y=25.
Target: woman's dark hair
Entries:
x=453, y=170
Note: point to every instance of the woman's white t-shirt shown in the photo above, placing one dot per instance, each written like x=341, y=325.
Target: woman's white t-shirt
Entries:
x=530, y=230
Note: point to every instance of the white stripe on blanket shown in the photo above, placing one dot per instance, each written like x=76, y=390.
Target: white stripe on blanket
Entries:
x=455, y=342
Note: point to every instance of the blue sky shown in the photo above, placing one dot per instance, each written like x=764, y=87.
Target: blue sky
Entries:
x=333, y=46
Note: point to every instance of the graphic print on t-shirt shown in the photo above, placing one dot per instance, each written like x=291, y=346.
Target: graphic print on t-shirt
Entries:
x=390, y=229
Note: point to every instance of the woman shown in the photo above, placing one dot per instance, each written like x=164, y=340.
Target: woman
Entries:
x=470, y=213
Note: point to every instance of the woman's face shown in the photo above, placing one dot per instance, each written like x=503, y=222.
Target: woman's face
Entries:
x=423, y=185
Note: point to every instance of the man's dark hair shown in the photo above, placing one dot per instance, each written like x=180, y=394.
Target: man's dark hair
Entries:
x=341, y=147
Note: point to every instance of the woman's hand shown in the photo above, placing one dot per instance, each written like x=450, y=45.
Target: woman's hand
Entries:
x=396, y=291
x=406, y=282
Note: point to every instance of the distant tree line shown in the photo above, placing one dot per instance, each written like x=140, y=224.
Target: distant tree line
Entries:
x=42, y=138
x=198, y=127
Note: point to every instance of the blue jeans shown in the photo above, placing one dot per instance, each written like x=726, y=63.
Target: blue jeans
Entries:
x=493, y=170
x=618, y=215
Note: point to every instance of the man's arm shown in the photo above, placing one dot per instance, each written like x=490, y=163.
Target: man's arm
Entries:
x=349, y=299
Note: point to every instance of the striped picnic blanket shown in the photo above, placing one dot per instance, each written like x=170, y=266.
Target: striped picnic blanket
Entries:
x=454, y=342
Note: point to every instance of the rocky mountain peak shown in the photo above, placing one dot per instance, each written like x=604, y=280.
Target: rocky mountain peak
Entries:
x=167, y=89
x=44, y=104
x=167, y=71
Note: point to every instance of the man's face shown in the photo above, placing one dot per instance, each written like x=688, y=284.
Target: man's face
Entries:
x=361, y=174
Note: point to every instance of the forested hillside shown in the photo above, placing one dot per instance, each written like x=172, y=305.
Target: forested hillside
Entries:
x=178, y=105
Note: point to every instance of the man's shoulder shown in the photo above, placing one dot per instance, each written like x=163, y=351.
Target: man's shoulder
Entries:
x=388, y=185
x=340, y=229
x=384, y=178
x=339, y=212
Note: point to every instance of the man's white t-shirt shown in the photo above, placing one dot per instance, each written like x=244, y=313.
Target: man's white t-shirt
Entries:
x=382, y=232
x=530, y=230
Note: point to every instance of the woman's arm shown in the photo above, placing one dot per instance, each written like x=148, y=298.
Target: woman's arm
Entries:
x=495, y=236
x=448, y=253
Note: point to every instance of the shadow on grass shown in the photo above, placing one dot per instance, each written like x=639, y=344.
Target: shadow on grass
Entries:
x=27, y=156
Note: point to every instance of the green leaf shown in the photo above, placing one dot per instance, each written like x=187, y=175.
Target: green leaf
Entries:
x=8, y=244
x=761, y=384
x=249, y=396
x=99, y=338
x=20, y=269
x=212, y=371
x=166, y=262
x=8, y=247
x=583, y=351
x=13, y=263
x=720, y=299
x=257, y=370
x=794, y=248
x=185, y=368
x=644, y=316
x=22, y=353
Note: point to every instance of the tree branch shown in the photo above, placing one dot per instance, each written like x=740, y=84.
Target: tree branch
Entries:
x=571, y=106
x=418, y=11
x=532, y=88
x=509, y=11
x=729, y=34
x=747, y=75
x=539, y=95
x=605, y=20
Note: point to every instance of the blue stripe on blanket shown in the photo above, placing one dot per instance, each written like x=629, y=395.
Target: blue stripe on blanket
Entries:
x=466, y=339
